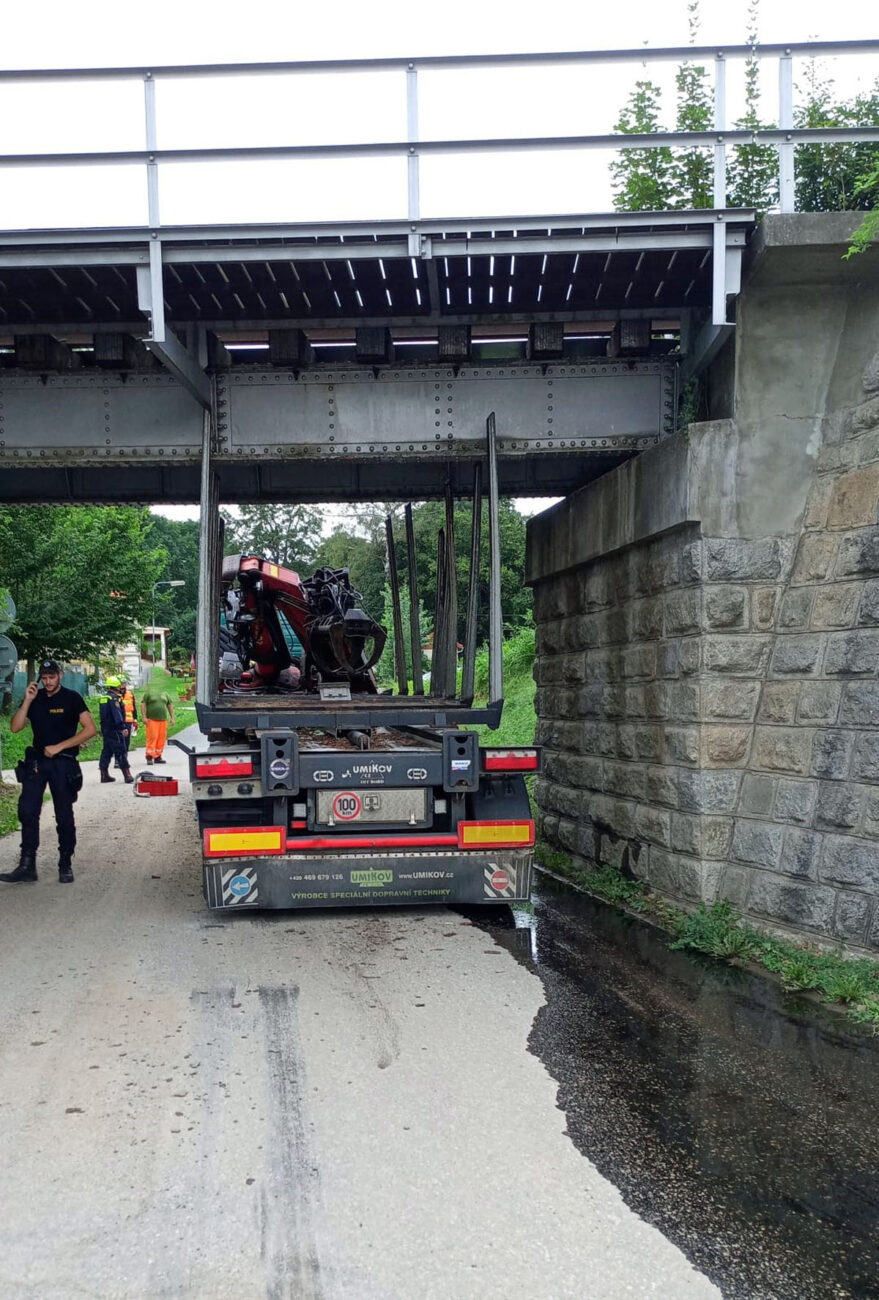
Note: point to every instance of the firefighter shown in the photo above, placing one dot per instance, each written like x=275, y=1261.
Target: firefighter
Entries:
x=113, y=732
x=61, y=723
x=129, y=708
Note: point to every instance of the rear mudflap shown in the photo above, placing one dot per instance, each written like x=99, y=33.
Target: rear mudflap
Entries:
x=368, y=879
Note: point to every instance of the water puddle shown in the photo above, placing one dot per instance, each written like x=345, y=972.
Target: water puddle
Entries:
x=739, y=1120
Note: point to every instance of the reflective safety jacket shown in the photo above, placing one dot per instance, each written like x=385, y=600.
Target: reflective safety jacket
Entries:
x=129, y=706
x=112, y=716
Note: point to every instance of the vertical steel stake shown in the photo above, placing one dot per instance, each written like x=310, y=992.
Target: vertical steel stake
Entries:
x=495, y=621
x=414, y=607
x=399, y=643
x=468, y=669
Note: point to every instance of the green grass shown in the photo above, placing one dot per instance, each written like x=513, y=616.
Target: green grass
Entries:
x=719, y=931
x=8, y=808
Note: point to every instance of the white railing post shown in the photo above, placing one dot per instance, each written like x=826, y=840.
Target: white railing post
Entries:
x=720, y=126
x=413, y=180
x=786, y=187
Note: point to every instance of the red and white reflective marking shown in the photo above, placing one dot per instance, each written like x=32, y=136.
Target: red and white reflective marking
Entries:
x=347, y=805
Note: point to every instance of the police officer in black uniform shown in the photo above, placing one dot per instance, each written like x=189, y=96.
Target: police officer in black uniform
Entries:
x=61, y=723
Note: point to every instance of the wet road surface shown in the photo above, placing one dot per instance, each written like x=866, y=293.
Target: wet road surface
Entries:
x=333, y=1105
x=739, y=1120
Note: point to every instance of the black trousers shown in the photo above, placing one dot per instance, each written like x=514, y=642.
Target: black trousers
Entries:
x=114, y=747
x=55, y=773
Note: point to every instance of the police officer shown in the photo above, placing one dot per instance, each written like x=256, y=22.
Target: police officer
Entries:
x=61, y=723
x=129, y=708
x=113, y=731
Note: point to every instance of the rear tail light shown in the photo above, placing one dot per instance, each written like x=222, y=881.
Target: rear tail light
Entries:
x=495, y=835
x=511, y=760
x=234, y=765
x=238, y=841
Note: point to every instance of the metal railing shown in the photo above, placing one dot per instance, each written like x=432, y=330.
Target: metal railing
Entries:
x=785, y=137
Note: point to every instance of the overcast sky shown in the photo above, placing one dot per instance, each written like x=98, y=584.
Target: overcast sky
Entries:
x=231, y=111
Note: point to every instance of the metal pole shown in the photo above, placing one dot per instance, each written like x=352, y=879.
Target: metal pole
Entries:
x=718, y=276
x=468, y=668
x=149, y=99
x=495, y=621
x=414, y=605
x=207, y=624
x=786, y=186
x=437, y=685
x=720, y=125
x=399, y=643
x=450, y=655
x=414, y=197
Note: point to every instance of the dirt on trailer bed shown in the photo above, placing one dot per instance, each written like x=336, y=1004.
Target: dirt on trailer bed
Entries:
x=382, y=740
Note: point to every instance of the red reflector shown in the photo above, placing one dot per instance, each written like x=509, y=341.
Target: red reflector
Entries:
x=211, y=767
x=511, y=760
x=372, y=842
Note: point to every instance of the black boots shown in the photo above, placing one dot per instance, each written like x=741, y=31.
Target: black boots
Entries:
x=129, y=779
x=25, y=871
x=65, y=870
x=106, y=778
x=149, y=760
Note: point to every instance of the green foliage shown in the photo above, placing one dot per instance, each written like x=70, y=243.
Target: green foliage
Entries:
x=363, y=551
x=284, y=534
x=176, y=607
x=8, y=807
x=641, y=177
x=752, y=171
x=868, y=230
x=81, y=577
x=830, y=177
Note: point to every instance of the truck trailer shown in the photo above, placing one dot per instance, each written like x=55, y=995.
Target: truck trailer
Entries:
x=313, y=788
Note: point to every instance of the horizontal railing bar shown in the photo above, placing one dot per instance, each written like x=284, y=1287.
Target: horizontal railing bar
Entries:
x=644, y=54
x=436, y=228
x=611, y=241
x=653, y=140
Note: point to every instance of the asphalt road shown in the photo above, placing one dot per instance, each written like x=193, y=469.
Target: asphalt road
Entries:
x=295, y=1105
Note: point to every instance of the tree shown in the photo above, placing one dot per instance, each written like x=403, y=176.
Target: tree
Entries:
x=364, y=558
x=829, y=177
x=691, y=176
x=81, y=577
x=287, y=535
x=752, y=173
x=641, y=177
x=177, y=607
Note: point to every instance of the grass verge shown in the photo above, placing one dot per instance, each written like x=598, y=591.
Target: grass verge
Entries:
x=719, y=931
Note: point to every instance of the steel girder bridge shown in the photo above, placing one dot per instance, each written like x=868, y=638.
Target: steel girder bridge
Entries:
x=354, y=360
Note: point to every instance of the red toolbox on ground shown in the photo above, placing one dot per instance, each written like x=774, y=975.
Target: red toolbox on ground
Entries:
x=150, y=783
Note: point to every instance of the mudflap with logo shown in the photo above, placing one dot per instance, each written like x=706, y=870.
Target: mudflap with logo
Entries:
x=369, y=880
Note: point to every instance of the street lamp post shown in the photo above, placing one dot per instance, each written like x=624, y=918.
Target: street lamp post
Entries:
x=164, y=582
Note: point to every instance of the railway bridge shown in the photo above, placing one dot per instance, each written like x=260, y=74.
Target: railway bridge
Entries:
x=706, y=594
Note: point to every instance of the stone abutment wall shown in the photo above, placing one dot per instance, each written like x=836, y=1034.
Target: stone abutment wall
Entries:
x=707, y=657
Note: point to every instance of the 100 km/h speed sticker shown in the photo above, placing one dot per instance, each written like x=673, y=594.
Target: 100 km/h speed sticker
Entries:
x=347, y=805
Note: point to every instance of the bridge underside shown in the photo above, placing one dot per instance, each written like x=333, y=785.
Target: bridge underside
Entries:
x=350, y=362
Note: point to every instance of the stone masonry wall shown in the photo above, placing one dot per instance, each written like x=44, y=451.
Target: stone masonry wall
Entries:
x=709, y=706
